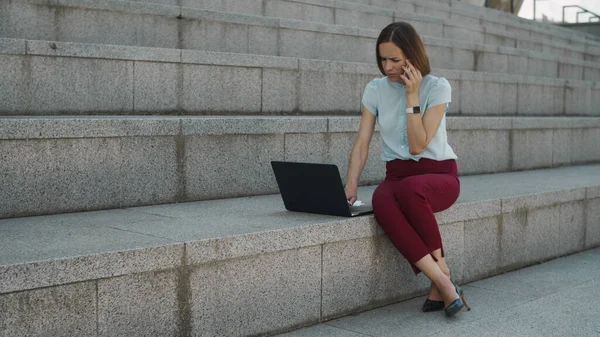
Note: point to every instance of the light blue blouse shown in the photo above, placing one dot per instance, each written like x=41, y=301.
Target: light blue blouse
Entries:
x=387, y=101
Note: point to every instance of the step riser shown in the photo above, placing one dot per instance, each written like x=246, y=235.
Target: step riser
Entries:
x=57, y=165
x=306, y=284
x=103, y=84
x=272, y=38
x=336, y=11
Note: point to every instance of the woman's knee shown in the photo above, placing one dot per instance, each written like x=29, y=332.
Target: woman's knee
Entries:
x=382, y=196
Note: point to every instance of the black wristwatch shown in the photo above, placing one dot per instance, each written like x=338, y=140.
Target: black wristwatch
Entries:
x=414, y=110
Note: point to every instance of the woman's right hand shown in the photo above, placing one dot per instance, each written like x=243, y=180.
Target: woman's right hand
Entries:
x=351, y=192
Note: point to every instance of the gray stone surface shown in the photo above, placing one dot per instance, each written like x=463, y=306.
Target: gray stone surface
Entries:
x=256, y=87
x=278, y=291
x=453, y=238
x=149, y=170
x=279, y=91
x=551, y=299
x=559, y=274
x=339, y=150
x=205, y=90
x=572, y=228
x=578, y=99
x=481, y=253
x=138, y=305
x=215, y=36
x=56, y=127
x=365, y=273
x=304, y=147
x=252, y=125
x=249, y=7
x=124, y=169
x=151, y=95
x=405, y=319
x=543, y=233
x=102, y=51
x=480, y=96
x=562, y=315
x=592, y=228
x=207, y=221
x=329, y=93
x=474, y=159
x=99, y=86
x=569, y=70
x=143, y=150
x=468, y=208
x=540, y=98
x=210, y=175
x=349, y=17
x=322, y=331
x=75, y=249
x=533, y=200
x=62, y=177
x=300, y=11
x=13, y=46
x=14, y=88
x=522, y=140
x=227, y=16
x=592, y=192
x=68, y=310
x=561, y=152
x=297, y=230
x=584, y=149
x=513, y=248
x=237, y=59
x=460, y=26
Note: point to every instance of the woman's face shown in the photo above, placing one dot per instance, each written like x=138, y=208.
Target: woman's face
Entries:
x=392, y=61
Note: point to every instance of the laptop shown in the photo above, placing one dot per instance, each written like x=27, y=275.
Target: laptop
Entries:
x=314, y=188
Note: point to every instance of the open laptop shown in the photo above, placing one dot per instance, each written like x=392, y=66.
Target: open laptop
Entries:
x=314, y=188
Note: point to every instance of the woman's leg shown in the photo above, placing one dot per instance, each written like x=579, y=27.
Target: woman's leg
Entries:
x=389, y=217
x=442, y=282
x=434, y=293
x=418, y=198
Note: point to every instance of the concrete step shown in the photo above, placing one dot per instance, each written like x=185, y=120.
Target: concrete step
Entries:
x=147, y=25
x=246, y=267
x=49, y=78
x=504, y=305
x=459, y=10
x=68, y=164
x=357, y=12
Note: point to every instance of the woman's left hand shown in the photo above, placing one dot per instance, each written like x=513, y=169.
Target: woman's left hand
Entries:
x=412, y=79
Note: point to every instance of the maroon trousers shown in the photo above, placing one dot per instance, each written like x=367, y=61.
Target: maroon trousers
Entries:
x=405, y=201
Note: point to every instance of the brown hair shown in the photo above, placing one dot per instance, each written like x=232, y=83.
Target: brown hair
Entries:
x=405, y=37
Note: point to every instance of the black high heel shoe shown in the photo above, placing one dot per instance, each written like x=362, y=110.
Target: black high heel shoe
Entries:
x=461, y=294
x=430, y=305
x=457, y=304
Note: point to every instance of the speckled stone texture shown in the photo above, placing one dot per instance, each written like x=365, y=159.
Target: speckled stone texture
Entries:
x=139, y=305
x=62, y=311
x=257, y=295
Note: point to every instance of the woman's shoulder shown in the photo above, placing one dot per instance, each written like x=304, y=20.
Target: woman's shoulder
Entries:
x=377, y=82
x=430, y=82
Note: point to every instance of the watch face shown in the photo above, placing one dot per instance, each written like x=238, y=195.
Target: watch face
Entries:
x=416, y=109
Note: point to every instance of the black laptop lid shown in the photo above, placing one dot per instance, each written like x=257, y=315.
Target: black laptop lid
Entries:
x=309, y=187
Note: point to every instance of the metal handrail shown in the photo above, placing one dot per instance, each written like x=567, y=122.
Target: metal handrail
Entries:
x=582, y=11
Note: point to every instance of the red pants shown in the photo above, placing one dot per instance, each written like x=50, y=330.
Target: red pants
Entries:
x=405, y=201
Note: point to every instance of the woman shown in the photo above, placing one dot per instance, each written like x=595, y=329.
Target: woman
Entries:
x=421, y=172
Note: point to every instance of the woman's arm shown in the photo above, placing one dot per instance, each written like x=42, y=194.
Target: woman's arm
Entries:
x=420, y=130
x=359, y=154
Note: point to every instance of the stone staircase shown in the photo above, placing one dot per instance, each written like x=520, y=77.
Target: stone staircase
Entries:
x=155, y=121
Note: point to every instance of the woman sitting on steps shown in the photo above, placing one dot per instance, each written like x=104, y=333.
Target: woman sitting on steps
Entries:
x=421, y=171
